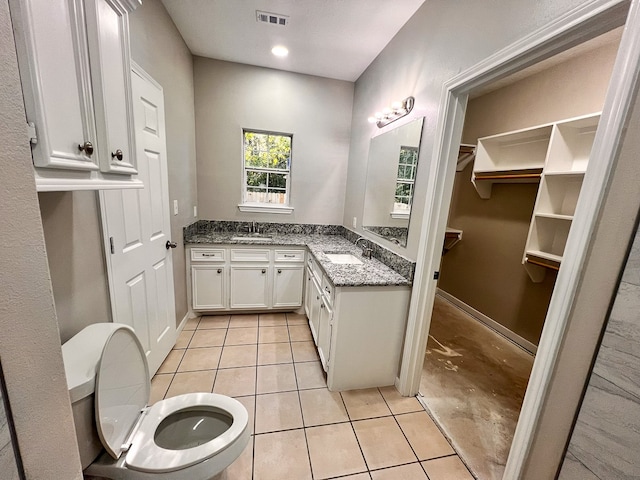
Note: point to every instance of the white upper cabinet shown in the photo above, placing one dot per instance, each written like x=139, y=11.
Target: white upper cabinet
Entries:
x=74, y=66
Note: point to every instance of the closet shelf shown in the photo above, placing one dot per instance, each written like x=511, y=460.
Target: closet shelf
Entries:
x=556, y=216
x=516, y=174
x=451, y=237
x=540, y=255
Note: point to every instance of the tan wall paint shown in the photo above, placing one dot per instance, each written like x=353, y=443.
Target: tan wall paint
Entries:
x=158, y=47
x=317, y=111
x=485, y=269
x=30, y=342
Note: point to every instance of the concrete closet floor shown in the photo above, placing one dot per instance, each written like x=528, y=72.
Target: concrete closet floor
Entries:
x=473, y=382
x=301, y=430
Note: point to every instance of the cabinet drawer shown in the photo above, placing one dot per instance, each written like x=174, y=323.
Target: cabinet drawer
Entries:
x=207, y=255
x=327, y=289
x=249, y=255
x=296, y=256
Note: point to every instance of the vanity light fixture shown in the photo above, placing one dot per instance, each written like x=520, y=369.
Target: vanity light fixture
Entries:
x=393, y=113
x=280, y=51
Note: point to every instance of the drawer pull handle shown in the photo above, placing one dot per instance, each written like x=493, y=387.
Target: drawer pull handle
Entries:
x=208, y=254
x=219, y=270
x=117, y=154
x=289, y=256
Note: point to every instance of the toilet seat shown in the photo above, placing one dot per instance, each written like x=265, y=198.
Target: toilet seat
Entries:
x=145, y=455
x=126, y=424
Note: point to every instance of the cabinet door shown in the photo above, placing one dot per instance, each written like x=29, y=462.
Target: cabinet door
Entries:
x=54, y=70
x=287, y=285
x=108, y=38
x=314, y=317
x=308, y=292
x=249, y=286
x=324, y=333
x=208, y=287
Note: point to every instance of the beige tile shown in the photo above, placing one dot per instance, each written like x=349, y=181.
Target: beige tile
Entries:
x=206, y=358
x=276, y=378
x=320, y=407
x=300, y=333
x=238, y=356
x=192, y=323
x=249, y=403
x=184, y=338
x=297, y=319
x=366, y=403
x=278, y=411
x=270, y=353
x=273, y=334
x=236, y=382
x=170, y=364
x=413, y=471
x=304, y=352
x=334, y=451
x=272, y=319
x=359, y=476
x=399, y=404
x=208, y=338
x=191, y=382
x=213, y=321
x=281, y=455
x=241, y=468
x=310, y=375
x=424, y=436
x=383, y=443
x=242, y=336
x=159, y=385
x=239, y=321
x=448, y=468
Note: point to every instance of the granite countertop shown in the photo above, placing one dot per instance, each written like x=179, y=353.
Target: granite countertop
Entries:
x=371, y=272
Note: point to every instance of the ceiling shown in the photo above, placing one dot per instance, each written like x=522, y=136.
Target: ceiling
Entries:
x=328, y=38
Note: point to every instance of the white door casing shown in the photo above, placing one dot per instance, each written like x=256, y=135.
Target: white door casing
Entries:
x=136, y=229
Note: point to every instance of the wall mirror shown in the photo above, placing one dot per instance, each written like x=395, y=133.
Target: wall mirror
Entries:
x=391, y=173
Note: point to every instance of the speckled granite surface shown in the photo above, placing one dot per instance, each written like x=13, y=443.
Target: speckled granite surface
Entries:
x=320, y=239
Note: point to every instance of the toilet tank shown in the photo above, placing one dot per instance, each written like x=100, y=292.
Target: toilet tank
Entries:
x=81, y=355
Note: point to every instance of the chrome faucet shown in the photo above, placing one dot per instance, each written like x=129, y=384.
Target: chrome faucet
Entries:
x=366, y=251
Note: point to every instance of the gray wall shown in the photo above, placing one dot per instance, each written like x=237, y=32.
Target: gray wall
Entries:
x=605, y=441
x=30, y=342
x=485, y=270
x=317, y=111
x=440, y=40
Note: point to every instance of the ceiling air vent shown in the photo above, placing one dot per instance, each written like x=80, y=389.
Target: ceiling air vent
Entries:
x=271, y=18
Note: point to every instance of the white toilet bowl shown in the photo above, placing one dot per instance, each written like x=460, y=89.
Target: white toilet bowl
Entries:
x=193, y=436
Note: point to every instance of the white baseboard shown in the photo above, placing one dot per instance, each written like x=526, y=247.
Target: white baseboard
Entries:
x=489, y=322
x=189, y=315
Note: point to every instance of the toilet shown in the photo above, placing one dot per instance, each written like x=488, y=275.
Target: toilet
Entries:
x=188, y=437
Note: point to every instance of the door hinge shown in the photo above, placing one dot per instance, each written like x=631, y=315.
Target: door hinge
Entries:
x=436, y=275
x=112, y=248
x=31, y=133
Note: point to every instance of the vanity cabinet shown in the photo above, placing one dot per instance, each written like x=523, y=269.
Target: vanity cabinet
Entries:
x=75, y=72
x=238, y=278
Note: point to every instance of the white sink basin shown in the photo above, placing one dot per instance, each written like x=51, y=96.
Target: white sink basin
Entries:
x=251, y=237
x=343, y=258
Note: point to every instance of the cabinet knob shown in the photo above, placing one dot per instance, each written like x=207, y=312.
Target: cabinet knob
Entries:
x=219, y=270
x=279, y=271
x=117, y=154
x=87, y=148
x=264, y=270
x=318, y=297
x=322, y=305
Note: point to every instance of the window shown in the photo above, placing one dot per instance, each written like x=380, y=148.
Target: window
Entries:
x=406, y=178
x=267, y=167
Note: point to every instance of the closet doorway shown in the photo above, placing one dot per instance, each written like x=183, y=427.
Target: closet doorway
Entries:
x=450, y=132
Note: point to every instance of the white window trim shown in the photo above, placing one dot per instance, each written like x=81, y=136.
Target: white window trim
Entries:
x=265, y=208
x=401, y=215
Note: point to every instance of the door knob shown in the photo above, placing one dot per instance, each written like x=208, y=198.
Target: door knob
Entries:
x=170, y=244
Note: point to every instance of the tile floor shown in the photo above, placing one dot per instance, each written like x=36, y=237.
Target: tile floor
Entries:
x=301, y=429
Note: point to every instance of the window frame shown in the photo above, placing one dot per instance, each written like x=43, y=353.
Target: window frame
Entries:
x=266, y=207
x=397, y=212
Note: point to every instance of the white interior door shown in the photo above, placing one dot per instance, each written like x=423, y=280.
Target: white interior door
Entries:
x=136, y=230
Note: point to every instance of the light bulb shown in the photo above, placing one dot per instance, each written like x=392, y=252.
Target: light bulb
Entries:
x=396, y=106
x=372, y=119
x=378, y=115
x=280, y=51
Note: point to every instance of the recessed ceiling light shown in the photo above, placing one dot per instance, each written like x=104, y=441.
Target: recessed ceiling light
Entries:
x=280, y=51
